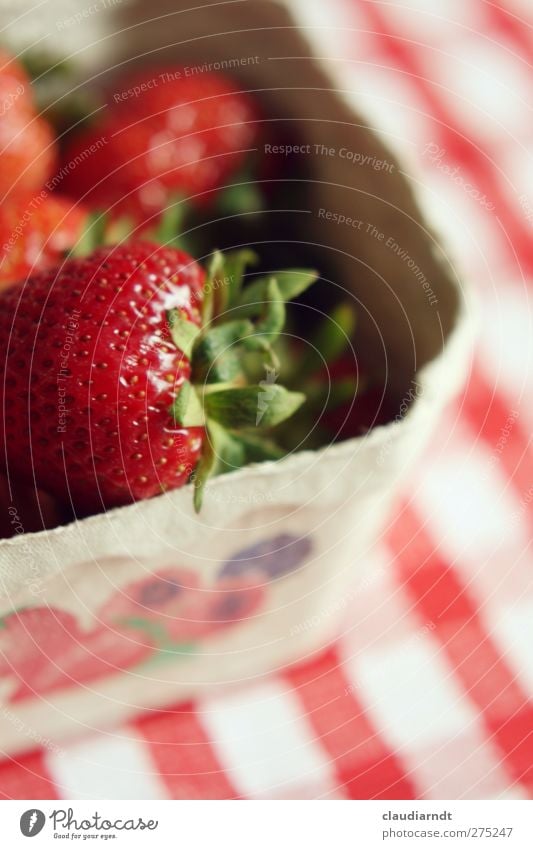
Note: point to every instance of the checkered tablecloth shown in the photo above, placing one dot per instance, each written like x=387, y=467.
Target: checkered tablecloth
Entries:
x=428, y=693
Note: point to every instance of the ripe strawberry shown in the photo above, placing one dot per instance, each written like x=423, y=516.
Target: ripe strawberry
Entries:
x=27, y=154
x=27, y=144
x=98, y=398
x=369, y=405
x=117, y=377
x=15, y=85
x=343, y=400
x=180, y=135
x=35, y=232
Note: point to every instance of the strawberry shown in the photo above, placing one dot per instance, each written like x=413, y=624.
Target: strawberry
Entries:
x=27, y=154
x=27, y=144
x=179, y=136
x=343, y=399
x=15, y=89
x=116, y=379
x=117, y=366
x=347, y=419
x=35, y=232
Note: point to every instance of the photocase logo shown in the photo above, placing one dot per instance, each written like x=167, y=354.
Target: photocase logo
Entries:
x=32, y=822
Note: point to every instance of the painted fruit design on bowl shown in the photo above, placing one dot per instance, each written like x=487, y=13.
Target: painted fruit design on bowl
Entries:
x=160, y=616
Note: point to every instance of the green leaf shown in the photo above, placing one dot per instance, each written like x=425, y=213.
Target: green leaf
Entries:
x=273, y=321
x=269, y=326
x=224, y=281
x=335, y=333
x=240, y=199
x=259, y=448
x=215, y=358
x=215, y=271
x=119, y=230
x=182, y=331
x=101, y=230
x=205, y=468
x=332, y=338
x=291, y=284
x=92, y=236
x=235, y=263
x=217, y=340
x=39, y=63
x=333, y=394
x=295, y=281
x=228, y=449
x=266, y=404
x=226, y=369
x=235, y=450
x=187, y=408
x=227, y=356
x=170, y=224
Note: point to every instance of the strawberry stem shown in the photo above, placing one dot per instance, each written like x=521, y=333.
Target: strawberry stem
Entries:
x=187, y=408
x=237, y=415
x=182, y=332
x=92, y=236
x=170, y=224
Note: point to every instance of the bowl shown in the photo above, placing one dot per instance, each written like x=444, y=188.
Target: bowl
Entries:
x=149, y=604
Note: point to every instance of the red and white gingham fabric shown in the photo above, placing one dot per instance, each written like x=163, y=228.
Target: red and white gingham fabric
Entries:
x=428, y=694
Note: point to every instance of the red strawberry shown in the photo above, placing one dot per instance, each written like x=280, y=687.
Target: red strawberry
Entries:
x=27, y=144
x=108, y=383
x=343, y=400
x=179, y=136
x=354, y=416
x=15, y=88
x=35, y=232
x=27, y=154
x=88, y=350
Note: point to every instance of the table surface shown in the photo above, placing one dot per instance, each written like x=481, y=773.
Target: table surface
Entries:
x=428, y=696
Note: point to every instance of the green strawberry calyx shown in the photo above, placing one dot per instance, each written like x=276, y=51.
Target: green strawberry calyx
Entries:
x=233, y=347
